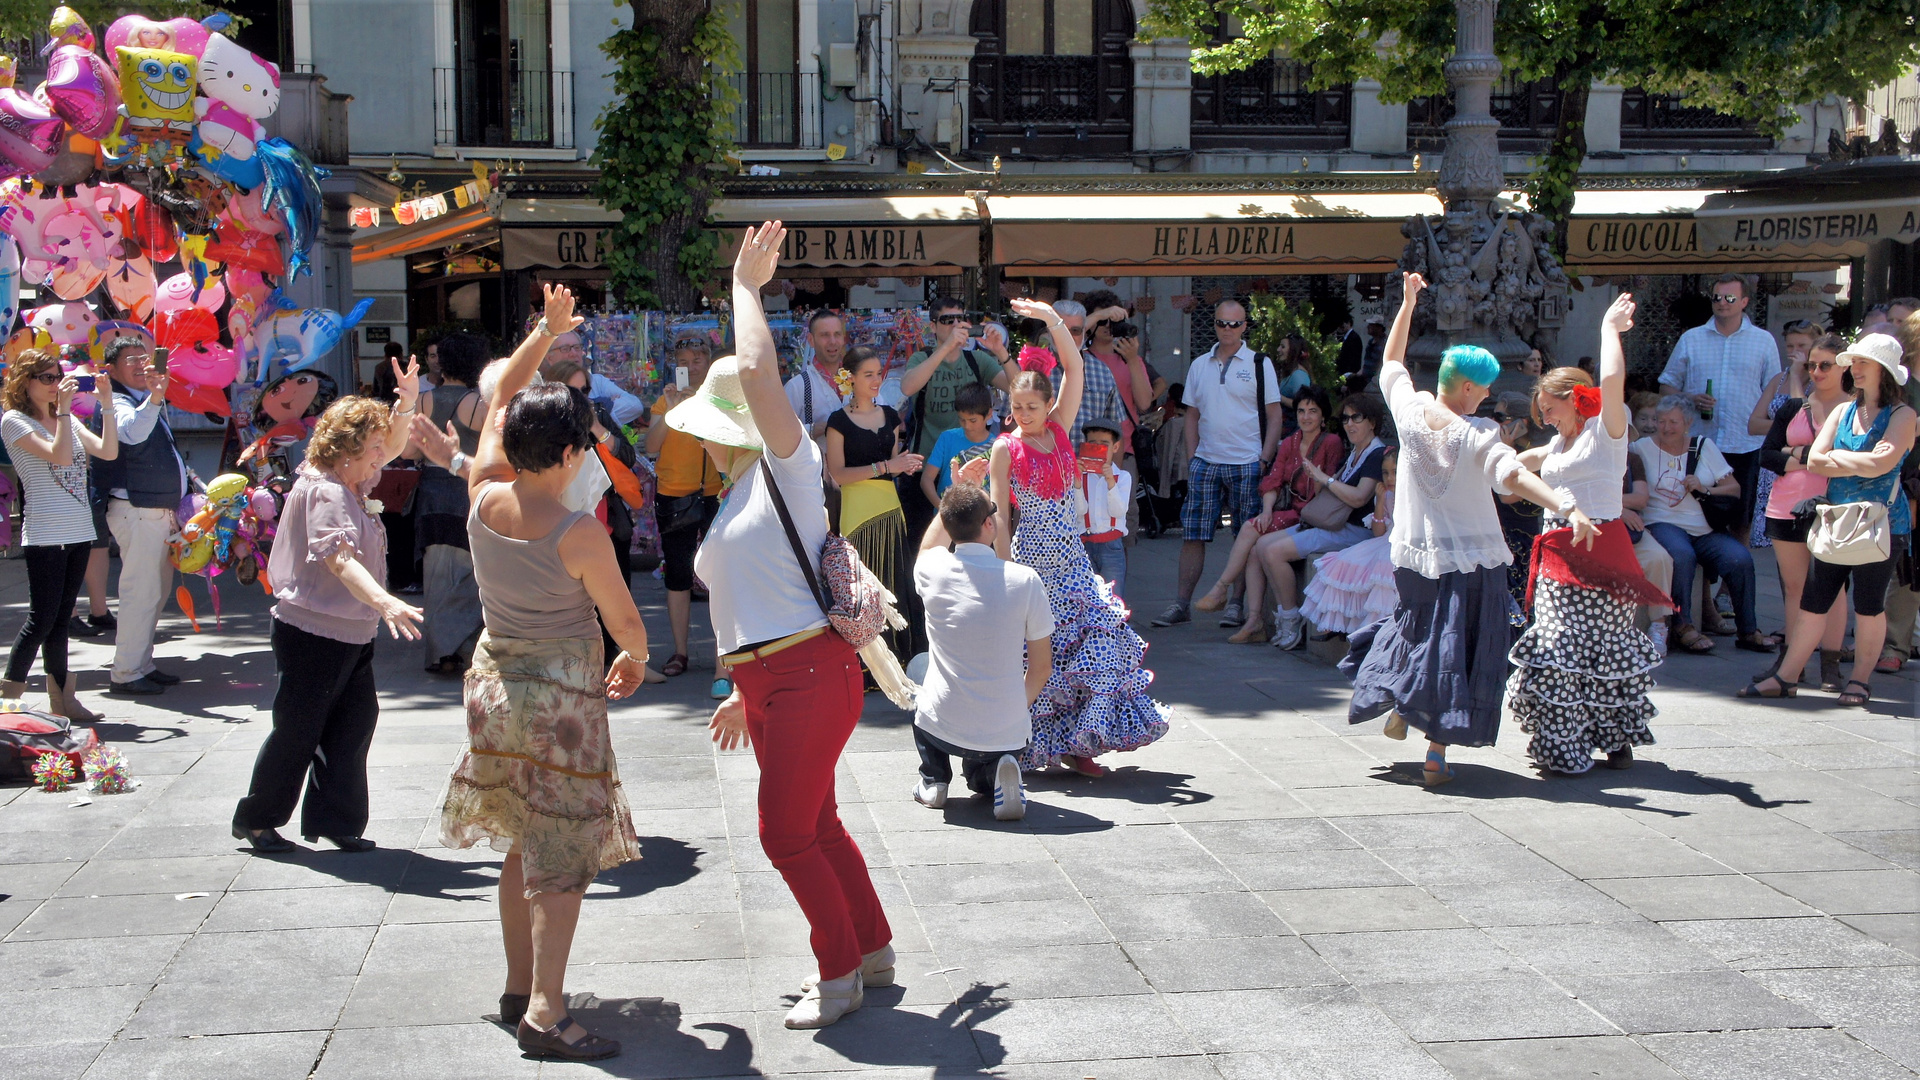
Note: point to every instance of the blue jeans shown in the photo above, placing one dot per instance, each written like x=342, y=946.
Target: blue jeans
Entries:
x=1109, y=559
x=1723, y=556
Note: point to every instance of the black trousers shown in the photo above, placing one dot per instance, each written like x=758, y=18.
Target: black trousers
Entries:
x=55, y=575
x=1747, y=467
x=323, y=719
x=976, y=765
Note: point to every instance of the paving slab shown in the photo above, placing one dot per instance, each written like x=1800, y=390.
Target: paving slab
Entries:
x=1803, y=1055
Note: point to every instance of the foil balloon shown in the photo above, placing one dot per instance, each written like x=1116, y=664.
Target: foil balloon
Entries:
x=287, y=410
x=246, y=209
x=156, y=86
x=109, y=331
x=140, y=32
x=238, y=247
x=178, y=293
x=75, y=279
x=241, y=90
x=30, y=135
x=130, y=283
x=9, y=283
x=297, y=338
x=182, y=327
x=80, y=88
x=71, y=323
x=293, y=194
x=153, y=230
x=198, y=377
x=251, y=302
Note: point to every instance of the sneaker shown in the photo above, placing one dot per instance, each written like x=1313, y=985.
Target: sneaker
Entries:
x=1233, y=615
x=1174, y=615
x=84, y=626
x=1658, y=632
x=163, y=678
x=721, y=690
x=140, y=687
x=1290, y=632
x=932, y=796
x=1723, y=604
x=1009, y=792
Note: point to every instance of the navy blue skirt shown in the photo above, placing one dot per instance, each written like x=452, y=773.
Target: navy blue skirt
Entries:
x=1440, y=659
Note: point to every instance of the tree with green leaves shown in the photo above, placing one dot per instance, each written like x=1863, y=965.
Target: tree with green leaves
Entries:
x=661, y=140
x=1754, y=59
x=21, y=19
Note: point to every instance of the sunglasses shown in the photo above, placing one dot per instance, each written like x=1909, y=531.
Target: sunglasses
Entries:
x=1727, y=298
x=1822, y=365
x=1351, y=417
x=1501, y=417
x=949, y=320
x=46, y=378
x=1229, y=324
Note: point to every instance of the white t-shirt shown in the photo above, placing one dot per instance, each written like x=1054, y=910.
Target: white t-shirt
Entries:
x=826, y=396
x=758, y=592
x=1229, y=417
x=981, y=612
x=1669, y=501
x=57, y=508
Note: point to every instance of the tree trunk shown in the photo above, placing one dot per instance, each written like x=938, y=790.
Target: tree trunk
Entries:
x=680, y=65
x=1555, y=178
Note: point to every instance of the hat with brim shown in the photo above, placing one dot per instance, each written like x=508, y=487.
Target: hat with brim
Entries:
x=1882, y=349
x=717, y=412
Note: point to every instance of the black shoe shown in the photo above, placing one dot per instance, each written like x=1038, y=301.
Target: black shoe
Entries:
x=143, y=686
x=346, y=843
x=1620, y=759
x=266, y=841
x=103, y=622
x=543, y=1044
x=163, y=678
x=84, y=626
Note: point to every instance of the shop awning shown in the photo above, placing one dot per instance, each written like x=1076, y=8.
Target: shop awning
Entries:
x=1839, y=211
x=461, y=226
x=1658, y=231
x=1181, y=234
x=924, y=235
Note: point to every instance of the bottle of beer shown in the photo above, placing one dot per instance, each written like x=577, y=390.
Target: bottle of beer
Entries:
x=1707, y=413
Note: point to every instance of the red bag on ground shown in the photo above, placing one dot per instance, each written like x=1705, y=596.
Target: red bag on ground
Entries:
x=28, y=734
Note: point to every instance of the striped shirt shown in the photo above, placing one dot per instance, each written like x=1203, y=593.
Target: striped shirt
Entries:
x=1739, y=365
x=57, y=510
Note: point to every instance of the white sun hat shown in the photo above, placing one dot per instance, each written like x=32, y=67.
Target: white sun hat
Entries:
x=1882, y=349
x=717, y=412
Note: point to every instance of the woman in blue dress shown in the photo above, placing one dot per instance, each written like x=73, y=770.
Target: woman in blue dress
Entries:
x=1096, y=700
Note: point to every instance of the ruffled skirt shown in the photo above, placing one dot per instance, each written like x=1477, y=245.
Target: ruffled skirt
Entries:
x=539, y=768
x=1352, y=587
x=1581, y=676
x=1440, y=659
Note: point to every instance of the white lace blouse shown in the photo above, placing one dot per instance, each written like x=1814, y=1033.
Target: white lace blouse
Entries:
x=1593, y=469
x=1444, y=520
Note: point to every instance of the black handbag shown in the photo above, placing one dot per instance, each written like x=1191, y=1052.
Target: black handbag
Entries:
x=1722, y=511
x=676, y=512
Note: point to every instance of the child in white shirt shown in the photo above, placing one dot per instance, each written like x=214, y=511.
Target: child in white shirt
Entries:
x=1102, y=500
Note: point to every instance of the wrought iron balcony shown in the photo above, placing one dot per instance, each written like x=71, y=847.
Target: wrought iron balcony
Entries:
x=1053, y=104
x=777, y=109
x=1666, y=122
x=1530, y=111
x=1269, y=106
x=503, y=106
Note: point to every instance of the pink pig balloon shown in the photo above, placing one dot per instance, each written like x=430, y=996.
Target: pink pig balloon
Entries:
x=82, y=90
x=176, y=294
x=30, y=135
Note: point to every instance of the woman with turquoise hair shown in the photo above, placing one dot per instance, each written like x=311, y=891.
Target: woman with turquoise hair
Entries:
x=1439, y=663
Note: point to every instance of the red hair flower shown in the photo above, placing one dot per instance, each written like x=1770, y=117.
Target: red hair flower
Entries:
x=1036, y=358
x=1586, y=401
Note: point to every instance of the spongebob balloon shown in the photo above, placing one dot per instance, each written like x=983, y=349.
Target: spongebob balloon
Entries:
x=157, y=88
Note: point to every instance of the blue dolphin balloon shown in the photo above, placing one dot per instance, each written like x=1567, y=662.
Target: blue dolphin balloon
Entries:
x=293, y=192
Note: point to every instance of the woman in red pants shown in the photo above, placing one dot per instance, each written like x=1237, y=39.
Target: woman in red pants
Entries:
x=797, y=685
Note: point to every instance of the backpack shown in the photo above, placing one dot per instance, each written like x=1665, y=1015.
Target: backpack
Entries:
x=27, y=735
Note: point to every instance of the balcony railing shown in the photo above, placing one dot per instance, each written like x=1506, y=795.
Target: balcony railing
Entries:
x=492, y=105
x=1664, y=121
x=1052, y=104
x=1269, y=105
x=776, y=109
x=1530, y=111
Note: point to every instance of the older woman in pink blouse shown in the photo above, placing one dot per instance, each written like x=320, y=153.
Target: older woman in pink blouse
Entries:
x=329, y=568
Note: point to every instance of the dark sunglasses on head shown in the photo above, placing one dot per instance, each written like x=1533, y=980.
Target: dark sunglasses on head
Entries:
x=949, y=320
x=1727, y=298
x=1229, y=324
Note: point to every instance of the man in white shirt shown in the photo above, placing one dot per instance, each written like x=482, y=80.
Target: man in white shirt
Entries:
x=147, y=481
x=1233, y=427
x=1736, y=359
x=812, y=390
x=981, y=612
x=625, y=407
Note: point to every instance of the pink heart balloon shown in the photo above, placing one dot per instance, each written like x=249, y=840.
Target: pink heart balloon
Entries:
x=30, y=134
x=82, y=90
x=140, y=32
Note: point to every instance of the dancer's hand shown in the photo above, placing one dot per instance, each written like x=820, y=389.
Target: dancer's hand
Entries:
x=1584, y=530
x=400, y=618
x=729, y=723
x=973, y=473
x=624, y=676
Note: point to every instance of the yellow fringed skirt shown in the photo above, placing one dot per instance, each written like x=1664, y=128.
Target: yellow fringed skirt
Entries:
x=873, y=521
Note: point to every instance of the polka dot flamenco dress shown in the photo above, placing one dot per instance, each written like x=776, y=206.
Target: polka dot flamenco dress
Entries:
x=1096, y=701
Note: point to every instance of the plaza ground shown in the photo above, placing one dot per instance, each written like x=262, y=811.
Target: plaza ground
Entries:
x=1264, y=893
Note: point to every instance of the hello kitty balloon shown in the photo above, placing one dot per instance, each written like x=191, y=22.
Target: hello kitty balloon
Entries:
x=241, y=90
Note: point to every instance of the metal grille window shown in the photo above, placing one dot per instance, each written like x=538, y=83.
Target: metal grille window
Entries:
x=770, y=90
x=1052, y=69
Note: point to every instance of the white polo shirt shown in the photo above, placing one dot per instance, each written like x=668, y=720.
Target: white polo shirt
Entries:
x=981, y=612
x=1229, y=416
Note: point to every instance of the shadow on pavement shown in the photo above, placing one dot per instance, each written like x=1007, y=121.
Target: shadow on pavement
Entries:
x=899, y=1037
x=664, y=862
x=652, y=1044
x=1599, y=786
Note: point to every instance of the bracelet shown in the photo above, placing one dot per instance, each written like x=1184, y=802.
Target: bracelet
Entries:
x=456, y=462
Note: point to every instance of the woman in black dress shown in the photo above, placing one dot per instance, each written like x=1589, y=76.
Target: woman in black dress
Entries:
x=863, y=457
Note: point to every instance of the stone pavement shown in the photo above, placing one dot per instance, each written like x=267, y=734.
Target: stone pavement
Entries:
x=1265, y=893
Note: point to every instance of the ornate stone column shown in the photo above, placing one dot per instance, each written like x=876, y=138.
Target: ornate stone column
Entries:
x=1471, y=168
x=1162, y=95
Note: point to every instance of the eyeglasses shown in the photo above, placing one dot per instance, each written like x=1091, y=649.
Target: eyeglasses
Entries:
x=1727, y=298
x=1822, y=365
x=1229, y=324
x=46, y=378
x=949, y=320
x=1072, y=329
x=1351, y=418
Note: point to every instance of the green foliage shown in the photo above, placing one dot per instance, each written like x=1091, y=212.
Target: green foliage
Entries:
x=1272, y=318
x=23, y=18
x=659, y=138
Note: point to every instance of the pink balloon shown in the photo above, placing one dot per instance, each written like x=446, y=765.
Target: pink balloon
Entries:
x=30, y=134
x=139, y=32
x=83, y=90
x=176, y=294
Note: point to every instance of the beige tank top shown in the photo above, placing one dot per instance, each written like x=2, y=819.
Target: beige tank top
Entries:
x=525, y=590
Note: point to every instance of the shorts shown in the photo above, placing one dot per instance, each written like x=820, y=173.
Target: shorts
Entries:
x=1825, y=580
x=677, y=547
x=1309, y=541
x=1790, y=530
x=1206, y=483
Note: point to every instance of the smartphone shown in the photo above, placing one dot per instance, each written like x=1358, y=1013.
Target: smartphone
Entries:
x=159, y=361
x=1093, y=457
x=683, y=377
x=85, y=383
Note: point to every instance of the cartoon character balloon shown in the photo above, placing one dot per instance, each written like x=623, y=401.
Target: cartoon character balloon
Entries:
x=178, y=293
x=296, y=338
x=140, y=32
x=241, y=90
x=65, y=324
x=287, y=410
x=157, y=86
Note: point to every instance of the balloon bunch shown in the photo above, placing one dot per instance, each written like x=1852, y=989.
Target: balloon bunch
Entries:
x=145, y=153
x=225, y=529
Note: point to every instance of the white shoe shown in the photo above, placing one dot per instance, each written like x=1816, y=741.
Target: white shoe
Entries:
x=930, y=795
x=1290, y=630
x=1009, y=792
x=876, y=969
x=1658, y=632
x=827, y=1001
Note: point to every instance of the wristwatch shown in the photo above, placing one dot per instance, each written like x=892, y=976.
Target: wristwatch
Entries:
x=542, y=328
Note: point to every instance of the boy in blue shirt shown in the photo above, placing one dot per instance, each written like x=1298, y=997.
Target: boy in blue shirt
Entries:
x=974, y=404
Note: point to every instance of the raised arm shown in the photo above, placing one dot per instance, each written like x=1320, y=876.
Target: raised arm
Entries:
x=759, y=362
x=1073, y=372
x=406, y=404
x=490, y=460
x=1613, y=365
x=1396, y=352
x=106, y=445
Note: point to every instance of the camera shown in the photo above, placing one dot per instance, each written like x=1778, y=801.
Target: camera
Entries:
x=1124, y=329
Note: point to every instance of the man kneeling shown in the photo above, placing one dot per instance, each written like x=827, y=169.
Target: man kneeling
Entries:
x=980, y=611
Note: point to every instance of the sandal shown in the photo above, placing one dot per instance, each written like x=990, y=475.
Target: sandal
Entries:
x=1250, y=634
x=1774, y=641
x=1436, y=771
x=675, y=665
x=1754, y=641
x=542, y=1044
x=513, y=1009
x=1856, y=700
x=1889, y=664
x=1781, y=688
x=1692, y=640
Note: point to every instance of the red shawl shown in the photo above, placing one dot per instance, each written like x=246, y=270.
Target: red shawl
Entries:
x=1610, y=566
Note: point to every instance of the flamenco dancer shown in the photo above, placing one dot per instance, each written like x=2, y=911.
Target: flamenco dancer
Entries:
x=1439, y=663
x=1582, y=669
x=1096, y=699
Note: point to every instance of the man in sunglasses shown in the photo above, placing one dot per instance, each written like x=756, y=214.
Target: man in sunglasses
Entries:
x=1233, y=422
x=1737, y=359
x=933, y=378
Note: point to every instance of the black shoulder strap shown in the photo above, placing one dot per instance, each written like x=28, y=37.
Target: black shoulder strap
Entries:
x=793, y=537
x=973, y=361
x=1693, y=458
x=1260, y=394
x=806, y=391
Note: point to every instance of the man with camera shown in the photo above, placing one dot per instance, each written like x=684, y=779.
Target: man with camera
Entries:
x=146, y=483
x=1115, y=341
x=932, y=378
